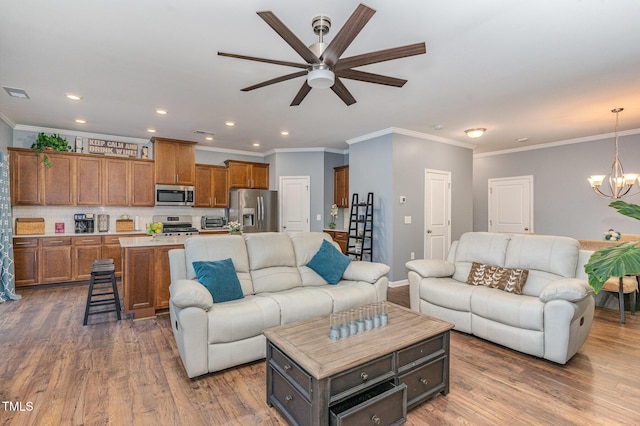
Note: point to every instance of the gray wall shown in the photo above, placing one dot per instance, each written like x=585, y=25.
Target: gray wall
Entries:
x=6, y=135
x=394, y=165
x=564, y=203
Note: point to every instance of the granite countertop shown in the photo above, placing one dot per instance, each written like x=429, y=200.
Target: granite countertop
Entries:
x=154, y=241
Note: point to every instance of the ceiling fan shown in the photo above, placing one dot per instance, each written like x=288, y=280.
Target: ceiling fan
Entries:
x=324, y=67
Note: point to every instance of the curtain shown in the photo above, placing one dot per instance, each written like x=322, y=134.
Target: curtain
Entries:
x=8, y=288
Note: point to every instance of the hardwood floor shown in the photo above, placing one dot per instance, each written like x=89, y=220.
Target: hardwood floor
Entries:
x=129, y=372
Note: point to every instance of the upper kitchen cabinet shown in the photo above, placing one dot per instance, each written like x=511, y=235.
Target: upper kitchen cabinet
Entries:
x=89, y=181
x=128, y=182
x=341, y=186
x=244, y=174
x=212, y=189
x=175, y=161
x=26, y=178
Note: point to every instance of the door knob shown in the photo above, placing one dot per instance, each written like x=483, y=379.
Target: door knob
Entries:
x=429, y=231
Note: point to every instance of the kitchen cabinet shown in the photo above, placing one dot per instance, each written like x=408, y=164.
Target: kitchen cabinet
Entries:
x=339, y=237
x=341, y=186
x=26, y=255
x=55, y=260
x=111, y=250
x=86, y=249
x=146, y=279
x=175, y=161
x=212, y=189
x=80, y=180
x=129, y=183
x=244, y=174
x=89, y=181
x=59, y=184
x=26, y=178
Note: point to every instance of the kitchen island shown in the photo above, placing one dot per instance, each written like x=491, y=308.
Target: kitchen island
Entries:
x=145, y=273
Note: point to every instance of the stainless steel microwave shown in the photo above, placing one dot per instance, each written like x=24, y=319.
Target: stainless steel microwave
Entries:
x=175, y=195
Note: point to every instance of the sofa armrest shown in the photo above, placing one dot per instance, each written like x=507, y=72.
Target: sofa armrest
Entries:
x=365, y=271
x=431, y=268
x=190, y=293
x=569, y=289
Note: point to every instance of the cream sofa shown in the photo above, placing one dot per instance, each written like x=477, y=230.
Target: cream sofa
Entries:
x=552, y=317
x=278, y=289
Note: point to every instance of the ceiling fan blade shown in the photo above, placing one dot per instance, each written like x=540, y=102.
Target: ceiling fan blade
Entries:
x=275, y=80
x=381, y=56
x=371, y=78
x=342, y=92
x=347, y=34
x=268, y=61
x=302, y=93
x=288, y=36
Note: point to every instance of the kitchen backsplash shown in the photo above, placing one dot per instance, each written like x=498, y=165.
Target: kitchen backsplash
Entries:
x=53, y=215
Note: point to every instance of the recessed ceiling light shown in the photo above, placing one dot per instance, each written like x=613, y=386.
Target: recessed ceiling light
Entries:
x=284, y=133
x=161, y=111
x=80, y=121
x=229, y=123
x=151, y=130
x=256, y=144
x=73, y=96
x=209, y=138
x=475, y=133
x=16, y=93
x=437, y=127
x=523, y=140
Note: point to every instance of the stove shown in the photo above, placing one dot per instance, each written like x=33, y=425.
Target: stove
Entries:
x=176, y=225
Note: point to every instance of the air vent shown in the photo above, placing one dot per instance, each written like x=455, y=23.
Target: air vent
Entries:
x=16, y=93
x=204, y=132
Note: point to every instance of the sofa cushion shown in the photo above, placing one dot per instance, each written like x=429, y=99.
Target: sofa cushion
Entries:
x=218, y=247
x=482, y=247
x=507, y=279
x=272, y=262
x=219, y=277
x=350, y=294
x=302, y=303
x=307, y=244
x=515, y=310
x=329, y=263
x=447, y=292
x=241, y=319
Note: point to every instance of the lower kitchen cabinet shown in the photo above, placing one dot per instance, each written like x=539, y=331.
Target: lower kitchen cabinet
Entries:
x=146, y=279
x=46, y=260
x=339, y=237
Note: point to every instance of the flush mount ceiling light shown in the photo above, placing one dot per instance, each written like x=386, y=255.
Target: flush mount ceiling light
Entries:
x=620, y=183
x=16, y=93
x=73, y=96
x=475, y=133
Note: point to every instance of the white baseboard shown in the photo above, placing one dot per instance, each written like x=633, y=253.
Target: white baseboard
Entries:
x=400, y=283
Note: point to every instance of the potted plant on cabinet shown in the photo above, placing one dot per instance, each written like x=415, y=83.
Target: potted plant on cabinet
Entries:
x=53, y=142
x=616, y=261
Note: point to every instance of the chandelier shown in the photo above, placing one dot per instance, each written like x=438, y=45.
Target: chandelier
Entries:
x=619, y=182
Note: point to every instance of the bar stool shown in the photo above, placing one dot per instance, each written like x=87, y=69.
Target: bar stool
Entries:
x=621, y=286
x=103, y=289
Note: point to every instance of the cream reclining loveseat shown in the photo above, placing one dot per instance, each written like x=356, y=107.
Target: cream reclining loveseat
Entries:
x=277, y=287
x=552, y=317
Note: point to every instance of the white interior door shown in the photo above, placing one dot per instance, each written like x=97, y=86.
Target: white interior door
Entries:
x=511, y=205
x=437, y=214
x=294, y=203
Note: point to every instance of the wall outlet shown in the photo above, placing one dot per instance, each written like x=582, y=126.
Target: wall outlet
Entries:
x=413, y=255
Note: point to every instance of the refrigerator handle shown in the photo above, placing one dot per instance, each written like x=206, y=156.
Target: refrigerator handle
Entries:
x=262, y=211
x=259, y=212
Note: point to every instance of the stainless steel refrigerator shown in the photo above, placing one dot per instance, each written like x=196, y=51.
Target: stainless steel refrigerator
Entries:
x=255, y=209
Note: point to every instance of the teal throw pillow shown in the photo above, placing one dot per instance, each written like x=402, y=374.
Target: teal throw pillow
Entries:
x=220, y=278
x=329, y=262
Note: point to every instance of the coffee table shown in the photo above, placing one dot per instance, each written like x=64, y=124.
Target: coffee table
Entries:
x=372, y=377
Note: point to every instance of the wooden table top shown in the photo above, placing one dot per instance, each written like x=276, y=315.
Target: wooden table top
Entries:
x=308, y=344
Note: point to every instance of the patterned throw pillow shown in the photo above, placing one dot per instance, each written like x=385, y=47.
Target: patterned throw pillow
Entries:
x=506, y=279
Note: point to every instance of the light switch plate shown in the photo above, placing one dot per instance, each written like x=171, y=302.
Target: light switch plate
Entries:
x=407, y=219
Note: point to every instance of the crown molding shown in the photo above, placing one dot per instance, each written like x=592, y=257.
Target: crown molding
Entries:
x=558, y=143
x=80, y=133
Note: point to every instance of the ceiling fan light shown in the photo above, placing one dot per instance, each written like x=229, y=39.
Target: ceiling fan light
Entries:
x=475, y=133
x=320, y=78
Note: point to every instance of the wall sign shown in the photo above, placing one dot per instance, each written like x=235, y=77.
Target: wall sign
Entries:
x=98, y=146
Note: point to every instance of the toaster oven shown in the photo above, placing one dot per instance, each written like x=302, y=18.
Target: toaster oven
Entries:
x=213, y=222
